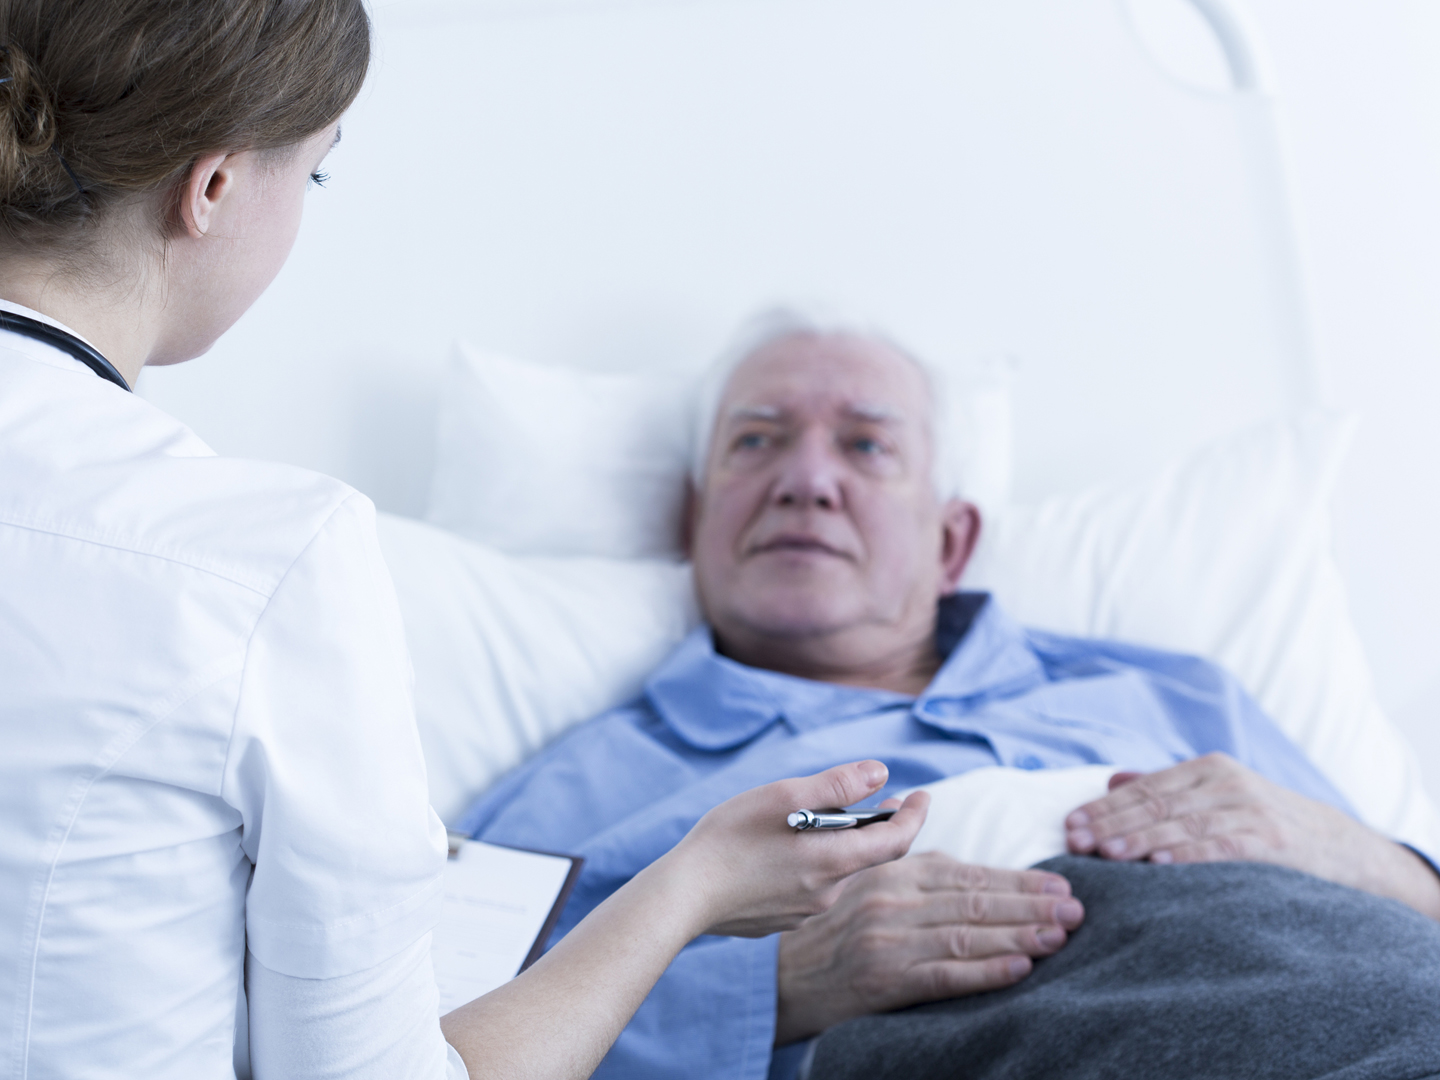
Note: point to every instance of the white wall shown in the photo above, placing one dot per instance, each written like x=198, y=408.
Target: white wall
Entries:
x=1361, y=86
x=1362, y=91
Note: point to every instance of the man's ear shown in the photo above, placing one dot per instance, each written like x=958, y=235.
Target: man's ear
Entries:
x=209, y=182
x=689, y=517
x=960, y=530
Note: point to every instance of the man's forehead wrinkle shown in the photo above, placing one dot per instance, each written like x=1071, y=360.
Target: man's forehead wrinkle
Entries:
x=875, y=412
x=755, y=412
x=868, y=411
x=798, y=367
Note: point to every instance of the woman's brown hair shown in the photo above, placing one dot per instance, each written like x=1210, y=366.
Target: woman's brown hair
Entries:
x=105, y=100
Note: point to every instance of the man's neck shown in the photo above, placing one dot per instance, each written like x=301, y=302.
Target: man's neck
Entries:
x=846, y=659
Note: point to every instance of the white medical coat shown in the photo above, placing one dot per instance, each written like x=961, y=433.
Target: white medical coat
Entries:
x=207, y=746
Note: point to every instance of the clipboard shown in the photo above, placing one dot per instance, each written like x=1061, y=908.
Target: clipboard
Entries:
x=500, y=907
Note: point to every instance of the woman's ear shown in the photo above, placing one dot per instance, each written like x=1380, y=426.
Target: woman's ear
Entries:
x=960, y=531
x=210, y=180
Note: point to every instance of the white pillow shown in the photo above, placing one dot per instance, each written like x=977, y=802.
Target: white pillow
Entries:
x=543, y=460
x=1225, y=555
x=509, y=652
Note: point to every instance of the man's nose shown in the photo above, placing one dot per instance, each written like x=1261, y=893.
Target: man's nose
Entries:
x=810, y=475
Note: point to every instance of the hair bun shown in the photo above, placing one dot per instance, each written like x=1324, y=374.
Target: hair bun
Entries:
x=28, y=110
x=27, y=118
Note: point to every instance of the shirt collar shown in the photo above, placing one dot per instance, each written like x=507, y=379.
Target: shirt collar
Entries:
x=715, y=703
x=992, y=659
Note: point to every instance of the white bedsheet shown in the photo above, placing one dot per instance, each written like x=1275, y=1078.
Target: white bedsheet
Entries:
x=1004, y=817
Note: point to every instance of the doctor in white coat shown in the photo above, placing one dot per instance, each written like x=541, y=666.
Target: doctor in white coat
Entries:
x=216, y=851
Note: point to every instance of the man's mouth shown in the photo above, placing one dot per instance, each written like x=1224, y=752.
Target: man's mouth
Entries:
x=798, y=544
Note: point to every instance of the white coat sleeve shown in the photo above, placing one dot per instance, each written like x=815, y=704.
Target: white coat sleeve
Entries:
x=325, y=769
x=285, y=1011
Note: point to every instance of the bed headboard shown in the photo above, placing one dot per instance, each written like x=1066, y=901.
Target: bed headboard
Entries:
x=614, y=183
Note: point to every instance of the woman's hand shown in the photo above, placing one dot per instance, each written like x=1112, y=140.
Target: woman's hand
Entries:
x=740, y=870
x=756, y=875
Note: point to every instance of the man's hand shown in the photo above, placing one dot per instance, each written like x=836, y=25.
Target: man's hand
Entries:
x=919, y=929
x=1214, y=809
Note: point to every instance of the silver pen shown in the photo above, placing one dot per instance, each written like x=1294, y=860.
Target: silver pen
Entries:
x=801, y=820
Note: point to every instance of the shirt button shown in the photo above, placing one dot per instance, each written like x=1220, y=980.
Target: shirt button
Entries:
x=1029, y=761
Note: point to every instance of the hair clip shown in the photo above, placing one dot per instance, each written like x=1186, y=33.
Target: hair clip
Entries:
x=79, y=187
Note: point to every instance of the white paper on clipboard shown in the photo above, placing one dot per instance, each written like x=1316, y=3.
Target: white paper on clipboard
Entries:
x=500, y=904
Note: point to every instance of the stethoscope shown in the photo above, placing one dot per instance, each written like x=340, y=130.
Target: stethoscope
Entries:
x=66, y=343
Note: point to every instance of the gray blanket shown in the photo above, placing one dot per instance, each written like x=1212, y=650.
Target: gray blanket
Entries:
x=1224, y=971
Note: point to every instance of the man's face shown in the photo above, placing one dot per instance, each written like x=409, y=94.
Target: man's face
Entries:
x=818, y=515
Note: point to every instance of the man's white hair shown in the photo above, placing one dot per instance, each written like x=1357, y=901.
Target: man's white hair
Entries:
x=776, y=324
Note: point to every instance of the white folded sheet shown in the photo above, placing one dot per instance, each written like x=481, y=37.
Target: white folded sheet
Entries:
x=1007, y=818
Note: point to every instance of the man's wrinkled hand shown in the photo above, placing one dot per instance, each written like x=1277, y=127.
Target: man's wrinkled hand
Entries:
x=1213, y=809
x=919, y=929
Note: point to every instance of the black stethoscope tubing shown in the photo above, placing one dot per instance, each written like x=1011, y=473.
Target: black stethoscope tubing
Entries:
x=66, y=343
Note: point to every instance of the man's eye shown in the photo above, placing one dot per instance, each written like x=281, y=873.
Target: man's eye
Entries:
x=868, y=447
x=752, y=440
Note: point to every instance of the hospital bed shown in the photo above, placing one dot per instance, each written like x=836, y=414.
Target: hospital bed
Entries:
x=1077, y=208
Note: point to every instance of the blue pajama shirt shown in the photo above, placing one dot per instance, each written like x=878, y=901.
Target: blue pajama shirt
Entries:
x=623, y=788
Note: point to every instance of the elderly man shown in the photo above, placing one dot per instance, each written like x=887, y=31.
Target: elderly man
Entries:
x=827, y=563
